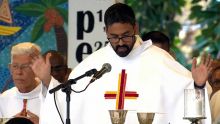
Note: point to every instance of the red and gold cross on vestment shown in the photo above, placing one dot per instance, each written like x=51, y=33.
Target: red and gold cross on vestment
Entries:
x=121, y=94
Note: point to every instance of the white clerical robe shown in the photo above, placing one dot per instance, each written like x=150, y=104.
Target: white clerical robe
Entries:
x=11, y=102
x=151, y=72
x=215, y=107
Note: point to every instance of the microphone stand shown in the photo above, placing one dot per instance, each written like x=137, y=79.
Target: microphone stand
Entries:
x=66, y=87
x=67, y=90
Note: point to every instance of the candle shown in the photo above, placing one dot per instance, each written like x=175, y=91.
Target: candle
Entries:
x=194, y=103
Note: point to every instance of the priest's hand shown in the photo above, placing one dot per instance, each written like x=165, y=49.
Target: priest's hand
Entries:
x=31, y=116
x=41, y=67
x=34, y=118
x=201, y=71
x=20, y=114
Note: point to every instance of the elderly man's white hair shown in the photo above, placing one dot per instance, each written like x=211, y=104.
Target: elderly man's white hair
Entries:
x=25, y=48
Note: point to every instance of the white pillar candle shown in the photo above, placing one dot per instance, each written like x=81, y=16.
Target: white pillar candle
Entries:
x=194, y=103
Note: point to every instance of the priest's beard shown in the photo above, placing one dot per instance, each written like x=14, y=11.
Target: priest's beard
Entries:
x=123, y=50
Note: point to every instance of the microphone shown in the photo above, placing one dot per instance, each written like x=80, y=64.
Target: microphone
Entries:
x=105, y=68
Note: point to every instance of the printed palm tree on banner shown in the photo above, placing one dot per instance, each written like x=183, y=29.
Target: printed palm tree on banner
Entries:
x=50, y=15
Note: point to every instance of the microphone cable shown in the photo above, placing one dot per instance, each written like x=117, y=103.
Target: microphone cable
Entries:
x=57, y=108
x=81, y=90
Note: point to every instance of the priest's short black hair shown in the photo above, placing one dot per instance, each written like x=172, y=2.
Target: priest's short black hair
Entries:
x=119, y=13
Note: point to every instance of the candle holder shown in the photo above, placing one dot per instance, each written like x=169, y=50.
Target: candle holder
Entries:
x=194, y=105
x=194, y=120
x=118, y=116
x=145, y=118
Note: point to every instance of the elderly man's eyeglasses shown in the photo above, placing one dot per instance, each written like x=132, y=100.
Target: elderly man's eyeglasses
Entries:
x=123, y=38
x=20, y=66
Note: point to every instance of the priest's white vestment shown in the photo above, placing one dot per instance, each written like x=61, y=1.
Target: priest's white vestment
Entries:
x=151, y=72
x=11, y=102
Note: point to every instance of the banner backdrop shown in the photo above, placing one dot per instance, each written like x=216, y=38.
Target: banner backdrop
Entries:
x=86, y=28
x=21, y=21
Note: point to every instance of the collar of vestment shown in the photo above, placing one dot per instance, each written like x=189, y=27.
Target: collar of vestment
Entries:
x=30, y=95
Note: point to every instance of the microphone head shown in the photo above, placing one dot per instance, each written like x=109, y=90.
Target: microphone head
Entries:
x=107, y=66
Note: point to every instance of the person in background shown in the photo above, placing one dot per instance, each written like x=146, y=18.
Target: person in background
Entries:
x=59, y=68
x=160, y=40
x=155, y=80
x=19, y=120
x=214, y=91
x=22, y=100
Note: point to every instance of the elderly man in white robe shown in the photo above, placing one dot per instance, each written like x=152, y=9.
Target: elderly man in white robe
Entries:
x=23, y=99
x=145, y=77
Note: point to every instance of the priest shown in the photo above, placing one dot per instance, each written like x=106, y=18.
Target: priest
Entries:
x=22, y=100
x=143, y=78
